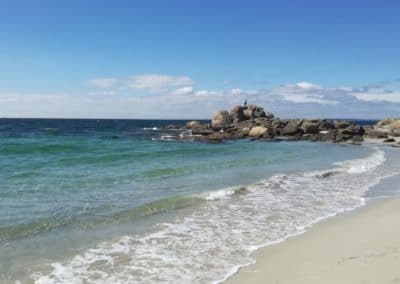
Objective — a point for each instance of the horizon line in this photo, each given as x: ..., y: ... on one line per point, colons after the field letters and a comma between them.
x: 99, y: 118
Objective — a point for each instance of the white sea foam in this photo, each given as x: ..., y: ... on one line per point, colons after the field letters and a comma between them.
x: 222, y: 193
x: 214, y: 241
x: 357, y: 166
x: 151, y: 128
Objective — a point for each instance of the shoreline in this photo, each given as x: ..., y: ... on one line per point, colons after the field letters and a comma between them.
x: 325, y: 176
x: 351, y: 247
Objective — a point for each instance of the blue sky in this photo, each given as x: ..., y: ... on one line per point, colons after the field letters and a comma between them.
x: 186, y: 59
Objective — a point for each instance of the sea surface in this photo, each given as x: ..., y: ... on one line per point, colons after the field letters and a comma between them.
x: 113, y: 201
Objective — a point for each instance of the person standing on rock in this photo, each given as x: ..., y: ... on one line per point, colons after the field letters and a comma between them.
x: 245, y: 102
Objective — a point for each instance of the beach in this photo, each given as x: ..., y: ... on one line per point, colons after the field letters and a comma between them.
x: 362, y: 246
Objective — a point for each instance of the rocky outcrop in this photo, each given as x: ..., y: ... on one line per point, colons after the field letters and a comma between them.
x: 389, y: 126
x: 254, y: 122
x: 242, y: 113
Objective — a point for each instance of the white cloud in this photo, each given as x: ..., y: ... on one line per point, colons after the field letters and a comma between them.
x: 206, y: 93
x: 300, y: 87
x: 377, y: 96
x: 103, y: 82
x: 308, y: 86
x: 305, y: 92
x: 149, y: 82
x: 103, y: 93
x: 183, y: 91
x: 29, y: 97
x: 237, y: 91
x: 301, y: 99
x: 307, y: 98
x: 157, y: 82
x: 346, y: 89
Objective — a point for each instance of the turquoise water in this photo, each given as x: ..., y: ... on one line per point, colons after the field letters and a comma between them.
x: 98, y: 206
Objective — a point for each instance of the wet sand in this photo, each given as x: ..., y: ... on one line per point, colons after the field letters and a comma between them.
x: 362, y: 246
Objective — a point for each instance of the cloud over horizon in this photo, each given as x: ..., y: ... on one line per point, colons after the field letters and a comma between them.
x: 167, y: 96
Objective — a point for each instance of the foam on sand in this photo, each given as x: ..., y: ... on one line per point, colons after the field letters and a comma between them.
x: 361, y: 247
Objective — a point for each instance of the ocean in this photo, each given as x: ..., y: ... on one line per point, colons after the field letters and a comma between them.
x: 113, y: 201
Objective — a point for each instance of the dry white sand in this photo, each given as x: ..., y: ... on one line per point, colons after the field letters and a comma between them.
x: 358, y: 247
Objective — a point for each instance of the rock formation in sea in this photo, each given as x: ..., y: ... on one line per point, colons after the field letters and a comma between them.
x: 254, y: 122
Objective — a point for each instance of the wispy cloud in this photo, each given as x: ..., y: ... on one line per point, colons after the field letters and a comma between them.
x: 385, y: 96
x: 207, y: 93
x: 148, y: 82
x: 157, y: 82
x: 183, y: 91
x: 104, y: 82
x: 103, y: 93
x: 304, y: 92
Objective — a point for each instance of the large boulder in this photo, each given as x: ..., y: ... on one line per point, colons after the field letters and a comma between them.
x: 192, y: 123
x: 293, y: 127
x: 258, y: 131
x: 248, y: 113
x: 221, y: 119
x: 263, y: 121
x: 215, y: 137
x: 349, y: 132
x: 253, y: 111
x: 237, y: 114
x: 278, y: 123
x: 390, y: 126
x: 269, y: 115
x: 309, y: 127
x: 219, y: 136
x: 342, y: 124
x: 373, y: 133
x: 325, y: 125
x: 352, y: 130
x: 201, y: 129
x: 384, y: 122
x: 395, y: 126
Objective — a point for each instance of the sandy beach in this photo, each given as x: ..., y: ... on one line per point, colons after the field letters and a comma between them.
x: 362, y: 246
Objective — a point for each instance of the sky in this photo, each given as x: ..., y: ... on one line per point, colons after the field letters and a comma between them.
x: 186, y: 59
